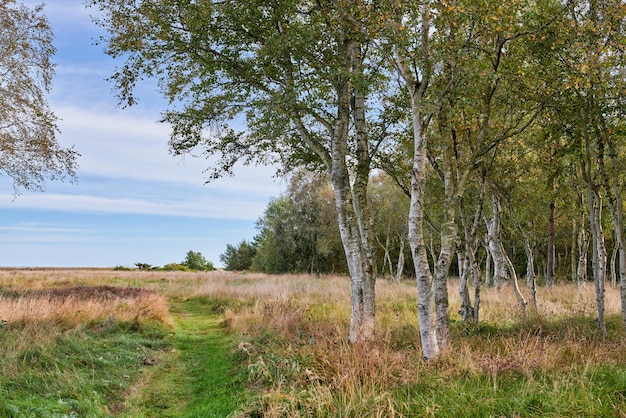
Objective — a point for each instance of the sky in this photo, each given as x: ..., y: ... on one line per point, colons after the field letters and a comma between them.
x: 133, y: 201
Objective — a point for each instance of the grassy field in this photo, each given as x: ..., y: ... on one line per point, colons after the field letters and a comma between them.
x: 104, y: 343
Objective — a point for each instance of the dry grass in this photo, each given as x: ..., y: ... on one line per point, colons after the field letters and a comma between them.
x: 72, y: 306
x: 302, y: 354
x: 294, y: 333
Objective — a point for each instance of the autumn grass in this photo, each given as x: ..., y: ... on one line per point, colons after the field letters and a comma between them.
x: 285, y: 336
x: 548, y: 362
x: 75, y: 351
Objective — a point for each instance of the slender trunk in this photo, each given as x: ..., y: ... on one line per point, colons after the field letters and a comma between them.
x: 448, y: 236
x: 530, y: 262
x: 531, y: 280
x: 460, y: 260
x: 583, y: 251
x: 386, y: 255
x: 551, y: 248
x: 470, y: 265
x: 594, y: 203
x: 488, y: 274
x: 430, y: 345
x: 416, y: 89
x: 495, y: 246
x: 518, y: 293
x: 613, y: 264
x: 361, y: 204
x: 400, y: 267
x: 476, y: 271
x: 613, y: 192
x: 599, y: 254
x: 466, y: 311
x: 573, y: 252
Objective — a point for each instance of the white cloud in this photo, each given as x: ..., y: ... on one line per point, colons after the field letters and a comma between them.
x: 122, y: 145
x: 222, y: 207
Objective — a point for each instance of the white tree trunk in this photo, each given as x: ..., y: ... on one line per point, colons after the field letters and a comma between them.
x: 599, y: 253
x: 492, y: 223
x: 583, y: 251
x: 351, y: 199
x: 400, y: 266
x: 416, y: 89
x: 428, y: 333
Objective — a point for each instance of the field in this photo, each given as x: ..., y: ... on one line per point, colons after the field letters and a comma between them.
x: 104, y: 343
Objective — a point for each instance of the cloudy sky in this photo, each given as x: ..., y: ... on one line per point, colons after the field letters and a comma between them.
x: 133, y: 202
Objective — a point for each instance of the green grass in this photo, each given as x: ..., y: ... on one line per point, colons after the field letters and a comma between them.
x: 199, y: 378
x: 597, y: 392
x: 82, y: 372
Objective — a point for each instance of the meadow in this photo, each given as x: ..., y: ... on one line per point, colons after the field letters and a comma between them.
x: 105, y: 343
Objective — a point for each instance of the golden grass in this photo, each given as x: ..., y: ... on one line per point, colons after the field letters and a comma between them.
x: 72, y: 306
x: 294, y: 331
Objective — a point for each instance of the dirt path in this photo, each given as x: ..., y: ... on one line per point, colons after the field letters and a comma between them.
x: 195, y: 379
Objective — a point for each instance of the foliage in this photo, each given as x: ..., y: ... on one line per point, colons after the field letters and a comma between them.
x: 144, y: 266
x: 298, y: 232
x: 238, y: 258
x: 174, y: 267
x: 121, y: 268
x: 29, y: 151
x: 196, y: 261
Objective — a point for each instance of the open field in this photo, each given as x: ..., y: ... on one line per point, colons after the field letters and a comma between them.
x: 113, y: 343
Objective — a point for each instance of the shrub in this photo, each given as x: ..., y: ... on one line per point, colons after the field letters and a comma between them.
x: 196, y: 261
x: 174, y: 267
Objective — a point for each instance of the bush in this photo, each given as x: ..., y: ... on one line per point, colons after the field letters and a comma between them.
x: 122, y: 268
x: 196, y: 261
x: 174, y: 267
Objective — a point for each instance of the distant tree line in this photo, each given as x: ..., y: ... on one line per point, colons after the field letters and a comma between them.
x: 194, y: 261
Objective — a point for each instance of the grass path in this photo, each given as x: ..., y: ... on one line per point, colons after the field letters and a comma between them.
x: 195, y: 379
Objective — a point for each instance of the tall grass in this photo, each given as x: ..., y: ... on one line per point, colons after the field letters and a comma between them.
x: 548, y: 360
x: 292, y: 333
x: 75, y: 351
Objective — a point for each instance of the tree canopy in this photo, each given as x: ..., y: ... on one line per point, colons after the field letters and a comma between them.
x: 29, y: 151
x: 498, y: 119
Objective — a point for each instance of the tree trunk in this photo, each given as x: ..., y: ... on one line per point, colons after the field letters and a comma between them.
x: 613, y: 263
x: 599, y: 253
x: 386, y: 256
x: 466, y: 311
x: 430, y: 345
x: 518, y: 293
x: 428, y: 333
x: 351, y: 202
x: 583, y: 251
x: 448, y: 237
x: 470, y: 266
x: 531, y: 281
x: 551, y: 248
x: 613, y: 192
x: 573, y: 247
x: 530, y: 262
x: 400, y: 267
x: 495, y: 246
x: 420, y: 119
x: 488, y: 273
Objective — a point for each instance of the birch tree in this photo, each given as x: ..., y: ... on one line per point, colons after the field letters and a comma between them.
x: 29, y: 151
x: 299, y: 72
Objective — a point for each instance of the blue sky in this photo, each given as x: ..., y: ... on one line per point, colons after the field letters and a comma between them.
x: 133, y: 202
